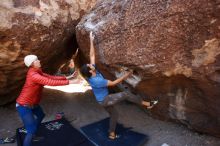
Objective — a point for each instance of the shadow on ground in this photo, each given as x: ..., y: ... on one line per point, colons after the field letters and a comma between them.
x: 82, y: 109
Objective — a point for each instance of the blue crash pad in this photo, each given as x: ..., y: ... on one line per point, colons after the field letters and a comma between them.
x: 98, y: 133
x: 56, y: 133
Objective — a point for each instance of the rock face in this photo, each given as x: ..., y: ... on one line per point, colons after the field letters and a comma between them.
x: 173, y: 47
x: 42, y: 27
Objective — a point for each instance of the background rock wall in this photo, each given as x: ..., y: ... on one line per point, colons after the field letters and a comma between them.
x: 42, y: 27
x: 173, y: 47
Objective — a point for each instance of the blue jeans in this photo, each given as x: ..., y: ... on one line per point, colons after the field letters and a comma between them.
x: 31, y: 118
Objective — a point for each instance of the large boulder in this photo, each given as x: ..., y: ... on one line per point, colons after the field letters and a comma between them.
x: 173, y: 48
x: 42, y: 27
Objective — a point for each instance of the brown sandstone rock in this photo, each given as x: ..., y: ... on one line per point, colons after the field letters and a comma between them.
x: 42, y: 27
x: 174, y: 48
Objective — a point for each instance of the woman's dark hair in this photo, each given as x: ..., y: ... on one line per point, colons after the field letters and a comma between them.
x: 84, y: 70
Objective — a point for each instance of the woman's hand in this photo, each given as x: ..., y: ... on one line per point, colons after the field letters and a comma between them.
x: 91, y: 36
x: 72, y: 75
x: 75, y: 81
x: 128, y: 74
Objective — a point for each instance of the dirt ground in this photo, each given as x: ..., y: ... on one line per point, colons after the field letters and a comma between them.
x: 82, y: 109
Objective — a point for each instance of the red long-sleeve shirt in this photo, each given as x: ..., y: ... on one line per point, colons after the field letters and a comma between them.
x: 35, y: 80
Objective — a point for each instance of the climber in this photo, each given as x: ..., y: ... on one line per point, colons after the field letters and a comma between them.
x: 100, y: 89
x: 70, y: 69
x: 27, y: 103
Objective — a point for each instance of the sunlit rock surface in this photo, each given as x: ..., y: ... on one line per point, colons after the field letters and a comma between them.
x: 173, y: 47
x: 42, y: 27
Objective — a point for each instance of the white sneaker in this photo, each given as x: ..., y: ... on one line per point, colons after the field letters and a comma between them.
x: 154, y: 102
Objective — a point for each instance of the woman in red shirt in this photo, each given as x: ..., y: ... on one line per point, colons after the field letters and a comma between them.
x: 27, y: 103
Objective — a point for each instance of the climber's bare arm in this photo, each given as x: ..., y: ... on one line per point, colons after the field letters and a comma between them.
x: 92, y: 49
x: 119, y: 80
